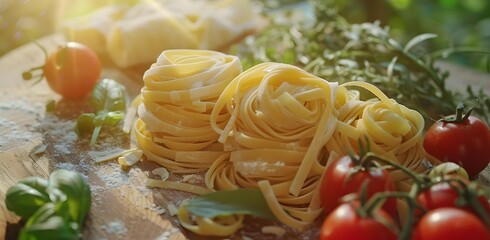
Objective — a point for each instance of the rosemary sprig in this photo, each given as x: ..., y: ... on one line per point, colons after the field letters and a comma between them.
x: 336, y: 50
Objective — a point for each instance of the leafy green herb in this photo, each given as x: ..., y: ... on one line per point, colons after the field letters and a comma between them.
x: 108, y: 100
x: 332, y: 48
x: 77, y: 192
x: 225, y: 203
x: 54, y: 208
x: 26, y: 196
x: 47, y: 223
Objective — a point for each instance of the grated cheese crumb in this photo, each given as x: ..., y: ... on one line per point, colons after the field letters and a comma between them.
x: 130, y: 158
x: 278, y: 231
x: 192, y: 178
x: 162, y: 172
x: 172, y: 209
x: 157, y: 209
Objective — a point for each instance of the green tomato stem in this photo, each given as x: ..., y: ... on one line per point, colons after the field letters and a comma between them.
x: 367, y: 208
x: 378, y: 198
x: 27, y: 75
x: 407, y: 228
x: 472, y: 199
x: 369, y: 157
x: 45, y: 52
x: 460, y: 115
x: 362, y: 211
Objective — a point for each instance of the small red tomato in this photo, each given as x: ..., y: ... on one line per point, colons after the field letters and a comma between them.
x: 444, y: 194
x: 465, y: 142
x: 342, y: 178
x: 72, y: 70
x: 345, y: 223
x: 450, y: 224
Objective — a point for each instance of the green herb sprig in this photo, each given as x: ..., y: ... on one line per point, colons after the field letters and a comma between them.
x: 54, y: 208
x: 332, y: 48
x: 108, y: 99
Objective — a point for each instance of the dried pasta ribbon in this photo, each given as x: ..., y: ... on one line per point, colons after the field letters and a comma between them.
x: 273, y: 127
x: 204, y: 226
x: 179, y: 93
x: 394, y: 131
x: 281, y: 118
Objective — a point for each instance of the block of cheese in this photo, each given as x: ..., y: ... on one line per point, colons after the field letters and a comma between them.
x: 137, y: 34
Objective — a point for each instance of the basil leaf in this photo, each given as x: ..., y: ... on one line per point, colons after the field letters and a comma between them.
x: 27, y: 196
x: 77, y: 192
x: 46, y: 223
x: 108, y: 95
x: 230, y: 202
x: 113, y: 118
x: 85, y: 123
x: 108, y: 99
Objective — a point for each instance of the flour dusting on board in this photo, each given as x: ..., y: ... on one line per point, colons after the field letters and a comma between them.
x: 24, y: 105
x: 12, y: 130
x: 63, y: 149
x: 63, y: 141
x: 112, y: 175
x: 76, y: 154
x: 167, y: 234
x: 116, y: 227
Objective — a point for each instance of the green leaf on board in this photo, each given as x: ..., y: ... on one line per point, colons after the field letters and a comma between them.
x: 27, y: 196
x: 108, y: 99
x: 230, y: 202
x: 77, y: 192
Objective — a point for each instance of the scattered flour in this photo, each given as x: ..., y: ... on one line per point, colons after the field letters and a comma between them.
x: 144, y: 190
x: 24, y: 105
x: 12, y: 132
x: 115, y: 227
x: 156, y: 208
x: 167, y: 234
x: 72, y: 167
x: 56, y: 127
x: 62, y: 148
x: 112, y: 175
x: 62, y: 139
x: 96, y: 190
x: 60, y: 132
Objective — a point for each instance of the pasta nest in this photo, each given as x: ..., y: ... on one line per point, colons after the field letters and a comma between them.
x: 394, y: 132
x: 179, y: 93
x: 281, y: 119
x: 274, y: 127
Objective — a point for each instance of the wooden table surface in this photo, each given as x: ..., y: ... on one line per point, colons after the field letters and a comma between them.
x: 122, y: 207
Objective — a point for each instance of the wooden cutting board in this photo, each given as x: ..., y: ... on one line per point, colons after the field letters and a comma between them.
x: 34, y: 142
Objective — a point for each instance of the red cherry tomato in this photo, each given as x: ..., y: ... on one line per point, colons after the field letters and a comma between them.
x: 72, y: 70
x: 450, y: 224
x: 345, y: 223
x: 337, y: 183
x: 443, y: 194
x: 465, y: 143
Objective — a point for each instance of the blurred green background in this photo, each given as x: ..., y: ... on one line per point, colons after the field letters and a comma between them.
x: 456, y: 22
